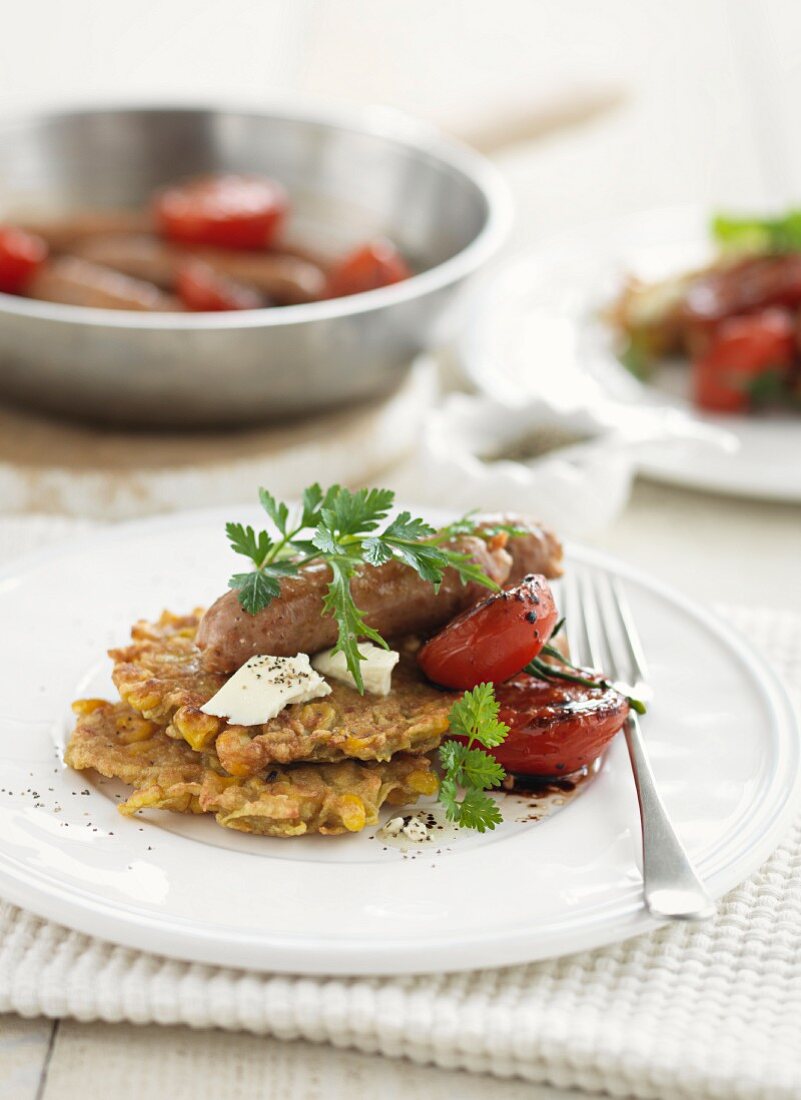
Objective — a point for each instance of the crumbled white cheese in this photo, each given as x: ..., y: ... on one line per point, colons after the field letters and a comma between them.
x: 394, y: 827
x: 416, y: 831
x: 263, y: 686
x: 411, y: 827
x: 376, y: 667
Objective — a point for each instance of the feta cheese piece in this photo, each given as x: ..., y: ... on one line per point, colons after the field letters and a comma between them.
x: 393, y: 828
x: 376, y: 667
x: 263, y: 686
x: 411, y: 827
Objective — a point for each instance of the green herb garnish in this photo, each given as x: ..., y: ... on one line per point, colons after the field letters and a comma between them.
x: 468, y: 770
x: 347, y: 531
x: 781, y: 234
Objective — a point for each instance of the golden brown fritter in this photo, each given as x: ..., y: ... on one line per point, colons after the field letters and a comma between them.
x: 121, y: 744
x: 161, y: 671
x: 412, y: 718
x: 167, y: 774
x: 160, y: 676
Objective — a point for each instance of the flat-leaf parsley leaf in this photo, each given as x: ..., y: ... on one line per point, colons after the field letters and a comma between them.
x: 470, y: 770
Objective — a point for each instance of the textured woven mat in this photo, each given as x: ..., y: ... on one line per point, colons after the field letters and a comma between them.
x: 706, y: 1012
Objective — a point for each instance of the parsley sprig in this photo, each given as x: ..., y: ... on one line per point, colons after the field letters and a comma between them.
x: 347, y: 531
x: 468, y: 770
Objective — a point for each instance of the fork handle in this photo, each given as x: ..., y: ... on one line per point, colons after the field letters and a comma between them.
x: 671, y: 888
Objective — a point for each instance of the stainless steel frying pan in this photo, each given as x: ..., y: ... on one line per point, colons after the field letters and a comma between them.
x: 349, y: 178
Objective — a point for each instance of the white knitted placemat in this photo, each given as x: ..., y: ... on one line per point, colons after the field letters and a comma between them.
x: 686, y: 1012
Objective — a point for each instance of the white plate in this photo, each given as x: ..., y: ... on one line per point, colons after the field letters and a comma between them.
x: 722, y: 735
x: 535, y: 331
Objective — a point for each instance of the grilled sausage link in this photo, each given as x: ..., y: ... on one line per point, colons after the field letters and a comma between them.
x: 538, y: 550
x: 392, y: 597
x: 140, y: 256
x: 77, y: 282
x: 64, y: 233
x: 284, y: 278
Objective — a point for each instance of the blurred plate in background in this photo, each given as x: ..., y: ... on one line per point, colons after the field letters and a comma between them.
x: 535, y: 331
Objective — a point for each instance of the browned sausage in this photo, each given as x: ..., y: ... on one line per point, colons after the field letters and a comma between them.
x: 537, y: 551
x: 393, y: 598
x: 64, y: 232
x: 742, y: 287
x: 76, y: 282
x: 283, y: 278
x: 141, y: 257
x: 286, y: 279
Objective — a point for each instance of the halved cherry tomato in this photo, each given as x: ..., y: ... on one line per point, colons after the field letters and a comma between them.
x: 228, y: 211
x: 493, y: 640
x: 740, y: 350
x: 203, y: 290
x: 21, y: 256
x: 555, y: 728
x: 375, y: 264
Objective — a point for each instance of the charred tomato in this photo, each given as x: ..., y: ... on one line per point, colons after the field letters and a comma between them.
x: 555, y: 728
x: 493, y: 640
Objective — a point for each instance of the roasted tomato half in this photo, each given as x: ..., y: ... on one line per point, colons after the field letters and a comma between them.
x: 493, y: 640
x: 741, y: 351
x: 21, y: 256
x: 555, y: 728
x: 226, y: 211
x: 377, y: 263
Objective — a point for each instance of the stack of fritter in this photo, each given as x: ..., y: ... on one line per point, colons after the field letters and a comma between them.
x: 326, y: 766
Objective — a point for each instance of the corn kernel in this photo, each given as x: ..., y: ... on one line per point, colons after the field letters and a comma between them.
x: 196, y: 728
x: 352, y: 812
x: 142, y: 700
x: 422, y: 782
x: 354, y: 745
x: 316, y: 716
x: 232, y: 748
x: 82, y: 707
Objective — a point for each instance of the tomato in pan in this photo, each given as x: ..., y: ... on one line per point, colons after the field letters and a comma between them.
x: 374, y: 265
x: 21, y: 256
x: 227, y: 211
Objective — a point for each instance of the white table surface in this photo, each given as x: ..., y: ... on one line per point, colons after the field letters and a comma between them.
x: 710, y: 117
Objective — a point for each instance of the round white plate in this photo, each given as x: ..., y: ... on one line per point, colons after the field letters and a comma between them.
x: 535, y: 330
x: 721, y: 732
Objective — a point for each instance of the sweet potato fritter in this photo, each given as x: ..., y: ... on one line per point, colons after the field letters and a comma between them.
x: 167, y: 774
x: 160, y: 676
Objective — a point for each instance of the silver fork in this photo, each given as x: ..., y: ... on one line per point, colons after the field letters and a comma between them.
x: 602, y: 635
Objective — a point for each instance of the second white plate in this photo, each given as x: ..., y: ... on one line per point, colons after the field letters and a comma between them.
x: 534, y: 330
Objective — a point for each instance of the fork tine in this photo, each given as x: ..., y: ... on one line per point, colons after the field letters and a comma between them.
x: 631, y: 637
x: 600, y: 657
x: 574, y: 619
x: 620, y: 666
